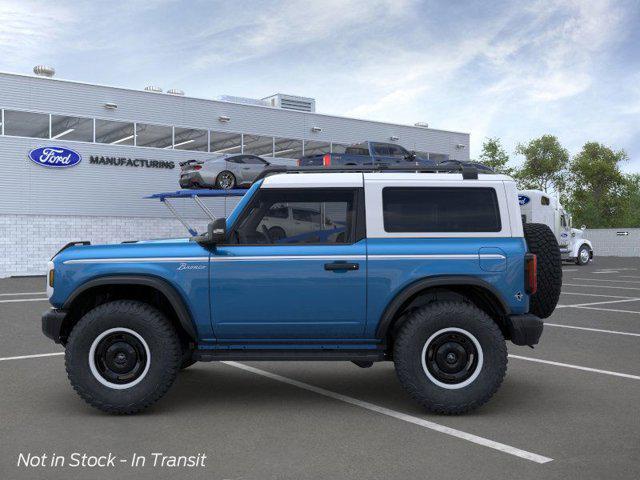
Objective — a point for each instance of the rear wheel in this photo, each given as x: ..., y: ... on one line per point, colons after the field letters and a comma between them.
x: 451, y: 357
x: 122, y: 356
x: 542, y: 242
x: 225, y: 180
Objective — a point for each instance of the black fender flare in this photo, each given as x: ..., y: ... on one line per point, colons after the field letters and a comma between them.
x: 164, y: 287
x: 439, y: 281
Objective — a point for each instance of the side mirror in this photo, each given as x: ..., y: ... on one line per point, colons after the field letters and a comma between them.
x: 583, y: 227
x: 216, y: 233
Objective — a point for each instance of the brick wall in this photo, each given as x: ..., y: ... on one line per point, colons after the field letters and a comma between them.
x: 27, y: 242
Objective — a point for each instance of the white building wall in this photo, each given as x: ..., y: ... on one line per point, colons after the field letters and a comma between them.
x: 612, y: 242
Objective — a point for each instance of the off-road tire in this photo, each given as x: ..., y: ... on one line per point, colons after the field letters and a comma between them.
x: 579, y: 257
x: 164, y: 359
x: 410, y: 342
x: 187, y: 358
x: 542, y: 242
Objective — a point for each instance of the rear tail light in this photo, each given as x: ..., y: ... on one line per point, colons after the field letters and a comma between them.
x: 326, y: 160
x: 197, y: 167
x: 531, y: 273
x: 298, y: 162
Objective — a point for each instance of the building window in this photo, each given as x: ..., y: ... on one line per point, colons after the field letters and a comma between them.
x: 71, y: 128
x: 114, y: 133
x: 287, y: 148
x: 440, y: 209
x: 26, y: 124
x: 157, y: 136
x: 313, y: 147
x: 224, y: 142
x: 190, y: 139
x: 258, y: 145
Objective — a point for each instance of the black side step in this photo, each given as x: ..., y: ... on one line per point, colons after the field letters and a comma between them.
x: 276, y: 355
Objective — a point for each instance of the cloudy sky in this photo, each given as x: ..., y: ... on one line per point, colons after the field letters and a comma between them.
x: 514, y: 70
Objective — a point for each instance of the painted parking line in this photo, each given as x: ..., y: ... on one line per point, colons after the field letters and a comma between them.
x: 37, y: 355
x: 593, y: 295
x: 607, y: 280
x: 570, y: 269
x: 599, y: 330
x: 485, y: 442
x: 610, y: 310
x: 21, y: 293
x: 576, y: 367
x: 599, y: 286
x: 598, y: 303
x: 17, y: 300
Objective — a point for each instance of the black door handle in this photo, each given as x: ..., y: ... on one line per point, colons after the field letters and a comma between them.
x: 341, y: 266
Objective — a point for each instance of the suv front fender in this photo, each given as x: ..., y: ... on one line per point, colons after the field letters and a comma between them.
x: 174, y: 298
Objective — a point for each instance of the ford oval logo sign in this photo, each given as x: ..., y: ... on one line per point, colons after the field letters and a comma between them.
x: 56, y: 157
x: 523, y: 199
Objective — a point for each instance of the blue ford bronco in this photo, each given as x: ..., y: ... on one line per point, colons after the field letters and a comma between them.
x: 431, y: 268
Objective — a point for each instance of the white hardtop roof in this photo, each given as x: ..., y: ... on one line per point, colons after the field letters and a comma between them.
x: 356, y: 179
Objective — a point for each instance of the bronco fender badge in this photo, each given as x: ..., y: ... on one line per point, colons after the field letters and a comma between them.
x: 186, y: 266
x: 518, y: 296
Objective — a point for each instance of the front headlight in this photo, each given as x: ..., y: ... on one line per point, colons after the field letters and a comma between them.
x: 50, y: 278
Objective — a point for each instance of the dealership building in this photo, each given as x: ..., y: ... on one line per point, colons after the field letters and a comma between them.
x: 129, y: 144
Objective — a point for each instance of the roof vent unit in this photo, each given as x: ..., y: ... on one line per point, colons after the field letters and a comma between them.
x: 44, y: 71
x: 422, y: 124
x: 292, y: 102
x: 244, y: 100
x: 152, y: 88
x: 176, y: 91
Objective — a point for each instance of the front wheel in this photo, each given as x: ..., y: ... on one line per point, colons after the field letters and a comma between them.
x: 584, y: 255
x: 451, y: 357
x: 122, y: 356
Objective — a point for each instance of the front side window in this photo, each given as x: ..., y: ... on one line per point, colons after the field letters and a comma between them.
x: 381, y: 150
x: 251, y: 160
x: 397, y: 151
x: 317, y: 217
x: 440, y: 209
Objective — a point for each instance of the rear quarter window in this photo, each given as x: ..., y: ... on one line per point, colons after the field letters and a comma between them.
x: 440, y: 209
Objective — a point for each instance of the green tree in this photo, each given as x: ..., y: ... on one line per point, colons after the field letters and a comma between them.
x: 494, y: 155
x: 545, y: 164
x: 599, y: 190
x: 631, y: 216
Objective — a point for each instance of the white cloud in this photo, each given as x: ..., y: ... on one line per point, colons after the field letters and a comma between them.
x: 31, y: 28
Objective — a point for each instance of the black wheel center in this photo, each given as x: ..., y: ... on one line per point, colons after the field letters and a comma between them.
x: 451, y: 357
x: 120, y: 357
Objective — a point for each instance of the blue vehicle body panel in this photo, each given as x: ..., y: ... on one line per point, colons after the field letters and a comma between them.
x: 278, y: 291
x: 191, y: 283
x: 388, y: 277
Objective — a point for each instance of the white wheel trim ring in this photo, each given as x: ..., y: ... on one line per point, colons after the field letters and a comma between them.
x: 469, y: 380
x: 584, y: 255
x: 92, y: 362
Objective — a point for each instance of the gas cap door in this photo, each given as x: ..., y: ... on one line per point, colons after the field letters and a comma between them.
x: 492, y: 259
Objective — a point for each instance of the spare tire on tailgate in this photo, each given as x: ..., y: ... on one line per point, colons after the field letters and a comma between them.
x: 542, y: 242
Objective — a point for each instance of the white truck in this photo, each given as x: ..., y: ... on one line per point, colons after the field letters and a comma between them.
x: 537, y: 206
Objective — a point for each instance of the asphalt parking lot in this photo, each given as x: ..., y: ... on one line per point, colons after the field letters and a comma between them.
x: 568, y: 409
